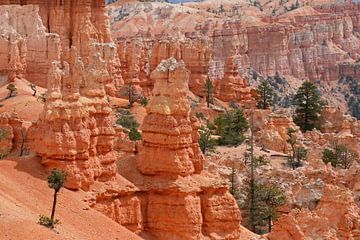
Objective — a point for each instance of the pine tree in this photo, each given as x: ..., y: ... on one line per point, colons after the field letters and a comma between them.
x: 265, y: 201
x: 209, y: 92
x: 231, y: 127
x: 340, y: 155
x: 298, y: 153
x: 308, y: 106
x: 56, y: 180
x: 266, y: 95
x: 12, y: 90
x: 205, y: 141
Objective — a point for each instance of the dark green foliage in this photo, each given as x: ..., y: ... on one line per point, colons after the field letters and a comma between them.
x: 209, y: 92
x: 231, y: 127
x: 12, y: 90
x: 134, y: 134
x: 308, y: 106
x: 266, y: 95
x: 127, y: 121
x: 56, y: 180
x: 298, y: 153
x: 144, y: 101
x: 205, y: 141
x: 296, y: 160
x: 260, y: 161
x: 339, y: 156
x: 266, y: 200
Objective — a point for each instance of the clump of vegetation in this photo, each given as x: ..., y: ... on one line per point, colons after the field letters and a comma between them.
x: 308, y: 106
x: 339, y: 155
x: 266, y: 198
x: 266, y: 95
x: 205, y: 141
x: 134, y: 134
x: 12, y: 90
x: 128, y: 122
x: 144, y: 101
x: 56, y: 180
x: 231, y: 127
x: 298, y: 153
x: 351, y: 94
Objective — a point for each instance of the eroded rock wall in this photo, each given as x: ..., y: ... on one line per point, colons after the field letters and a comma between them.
x: 183, y: 200
x: 76, y: 23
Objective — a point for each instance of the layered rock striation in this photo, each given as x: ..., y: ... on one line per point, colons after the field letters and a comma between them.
x: 180, y: 200
x: 34, y: 46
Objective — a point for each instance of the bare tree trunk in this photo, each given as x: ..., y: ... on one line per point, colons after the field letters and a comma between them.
x: 53, y: 209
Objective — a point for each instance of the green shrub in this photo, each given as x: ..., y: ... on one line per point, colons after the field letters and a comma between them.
x: 134, y: 134
x: 205, y: 141
x: 339, y: 155
x: 144, y: 101
x: 231, y: 127
x: 127, y: 121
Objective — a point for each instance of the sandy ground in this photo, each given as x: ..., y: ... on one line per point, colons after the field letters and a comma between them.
x: 24, y: 195
x: 25, y: 105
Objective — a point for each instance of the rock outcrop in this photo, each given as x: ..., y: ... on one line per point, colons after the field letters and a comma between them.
x: 319, y: 43
x: 6, y: 136
x: 34, y: 45
x: 180, y: 200
x: 342, y: 222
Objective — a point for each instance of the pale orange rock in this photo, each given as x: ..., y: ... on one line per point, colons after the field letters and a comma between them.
x: 335, y: 217
x: 182, y: 200
x: 6, y: 135
x: 40, y: 27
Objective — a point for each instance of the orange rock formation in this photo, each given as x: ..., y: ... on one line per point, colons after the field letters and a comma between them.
x: 180, y: 200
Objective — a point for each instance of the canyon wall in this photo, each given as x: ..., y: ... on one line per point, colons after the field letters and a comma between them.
x: 76, y: 22
x: 303, y: 44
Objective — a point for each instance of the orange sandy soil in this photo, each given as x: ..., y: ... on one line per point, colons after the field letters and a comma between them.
x: 23, y: 104
x: 24, y: 195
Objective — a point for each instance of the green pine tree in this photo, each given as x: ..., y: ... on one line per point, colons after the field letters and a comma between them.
x: 266, y: 95
x: 56, y: 180
x: 308, y: 106
x: 231, y: 127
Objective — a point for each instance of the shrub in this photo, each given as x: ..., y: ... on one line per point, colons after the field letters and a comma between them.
x: 134, y: 134
x: 47, y: 222
x: 144, y: 101
x: 127, y: 121
x: 205, y: 141
x: 231, y: 127
x: 339, y: 155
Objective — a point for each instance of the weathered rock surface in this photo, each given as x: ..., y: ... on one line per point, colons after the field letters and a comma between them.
x: 31, y: 41
x: 179, y: 199
x: 336, y: 217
